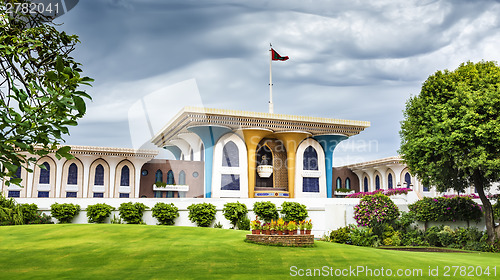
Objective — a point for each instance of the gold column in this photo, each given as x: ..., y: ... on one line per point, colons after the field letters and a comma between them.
x: 252, y: 138
x: 291, y: 140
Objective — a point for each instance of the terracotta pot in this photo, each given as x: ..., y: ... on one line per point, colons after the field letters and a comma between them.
x: 285, y: 231
x: 254, y: 231
x: 290, y: 232
x: 273, y: 232
x: 308, y: 231
x: 280, y: 232
x: 257, y: 231
x: 268, y: 232
x: 295, y: 232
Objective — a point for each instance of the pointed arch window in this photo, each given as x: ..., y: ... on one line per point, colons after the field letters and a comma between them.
x: 348, y: 183
x: 182, y: 178
x: 365, y: 184
x: 389, y: 181
x: 230, y: 155
x: 408, y: 179
x: 377, y: 182
x: 170, y: 178
x: 18, y: 173
x: 158, y: 176
x: 73, y: 174
x: 125, y: 176
x: 99, y: 175
x: 310, y: 159
x: 45, y: 174
x: 339, y: 183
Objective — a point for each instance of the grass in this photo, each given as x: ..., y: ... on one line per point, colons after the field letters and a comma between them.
x: 162, y: 252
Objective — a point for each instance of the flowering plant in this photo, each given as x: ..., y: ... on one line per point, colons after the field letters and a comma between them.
x: 292, y: 225
x: 308, y: 224
x: 266, y: 226
x: 302, y: 225
x: 273, y: 225
x: 280, y: 224
x: 375, y: 209
x: 388, y: 192
x: 255, y: 224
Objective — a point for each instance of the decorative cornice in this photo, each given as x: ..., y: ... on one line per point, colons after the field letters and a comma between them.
x: 375, y: 163
x: 237, y: 120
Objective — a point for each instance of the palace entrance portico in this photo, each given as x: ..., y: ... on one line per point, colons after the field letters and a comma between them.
x: 250, y: 154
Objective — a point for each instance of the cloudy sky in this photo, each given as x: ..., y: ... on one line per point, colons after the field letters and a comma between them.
x: 357, y: 60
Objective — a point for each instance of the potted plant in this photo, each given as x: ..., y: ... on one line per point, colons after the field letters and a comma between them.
x: 292, y: 227
x: 267, y: 229
x: 285, y: 229
x: 302, y: 227
x: 273, y: 226
x: 280, y: 225
x: 256, y: 227
x: 309, y: 226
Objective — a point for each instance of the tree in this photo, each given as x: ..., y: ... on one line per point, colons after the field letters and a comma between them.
x: 450, y: 135
x: 39, y: 88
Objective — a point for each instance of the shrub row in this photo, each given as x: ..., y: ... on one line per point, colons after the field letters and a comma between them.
x: 13, y: 213
x: 457, y: 208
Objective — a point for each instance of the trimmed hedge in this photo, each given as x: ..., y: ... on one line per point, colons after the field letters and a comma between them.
x: 446, y: 209
x: 293, y: 211
x: 165, y: 213
x: 203, y: 214
x: 132, y: 212
x: 235, y: 212
x: 97, y: 213
x: 266, y: 210
x: 64, y: 212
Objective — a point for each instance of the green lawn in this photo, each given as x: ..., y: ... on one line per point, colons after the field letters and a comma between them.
x: 159, y: 252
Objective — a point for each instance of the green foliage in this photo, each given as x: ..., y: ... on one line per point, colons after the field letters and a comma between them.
x: 218, y: 225
x: 244, y: 223
x: 30, y: 212
x: 116, y: 220
x: 446, y: 209
x: 343, y: 190
x: 165, y: 213
x: 41, y: 219
x: 64, y: 212
x: 266, y: 210
x: 10, y: 212
x: 340, y: 235
x: 97, y: 213
x: 375, y: 209
x: 235, y: 212
x: 496, y: 210
x: 132, y: 212
x: 364, y: 236
x: 203, y: 214
x: 446, y: 236
x: 450, y: 136
x: 413, y: 237
x: 293, y: 211
x: 405, y: 221
x: 40, y: 96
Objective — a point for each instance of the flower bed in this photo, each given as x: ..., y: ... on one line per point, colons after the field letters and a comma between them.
x: 282, y: 240
x: 388, y: 192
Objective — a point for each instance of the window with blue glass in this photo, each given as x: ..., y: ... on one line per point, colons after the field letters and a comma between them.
x: 18, y: 173
x: 365, y: 184
x: 310, y: 184
x: 182, y: 178
x: 98, y: 195
x: 125, y: 177
x: 339, y: 183
x: 158, y: 176
x: 310, y: 161
x: 157, y: 194
x: 230, y: 155
x: 407, y: 179
x: 73, y: 174
x: 99, y: 176
x: 426, y: 188
x: 348, y: 183
x: 377, y: 182
x: 230, y: 182
x: 170, y: 178
x: 169, y: 194
x: 45, y: 174
x: 43, y: 194
x: 14, y: 194
x: 124, y: 195
x: 389, y: 181
x: 70, y: 194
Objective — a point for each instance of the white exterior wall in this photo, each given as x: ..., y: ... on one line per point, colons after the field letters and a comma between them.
x: 300, y: 173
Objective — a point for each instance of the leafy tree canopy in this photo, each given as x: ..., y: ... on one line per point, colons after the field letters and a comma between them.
x: 40, y: 94
x: 450, y: 135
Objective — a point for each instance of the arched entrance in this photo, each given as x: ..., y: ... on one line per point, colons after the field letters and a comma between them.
x: 271, y: 152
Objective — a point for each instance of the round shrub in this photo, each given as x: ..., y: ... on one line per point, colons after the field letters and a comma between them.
x: 165, y: 213
x: 375, y: 209
x: 341, y: 235
x: 266, y: 210
x: 202, y: 214
x: 30, y: 212
x: 235, y: 212
x: 97, y: 213
x: 293, y: 211
x: 132, y: 212
x: 64, y: 212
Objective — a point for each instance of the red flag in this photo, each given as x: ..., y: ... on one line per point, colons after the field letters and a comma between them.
x: 276, y: 56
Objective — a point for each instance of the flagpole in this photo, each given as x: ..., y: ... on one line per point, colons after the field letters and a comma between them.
x: 271, y: 107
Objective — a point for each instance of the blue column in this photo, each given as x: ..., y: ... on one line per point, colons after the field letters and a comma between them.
x: 174, y: 150
x: 328, y: 143
x: 209, y: 135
